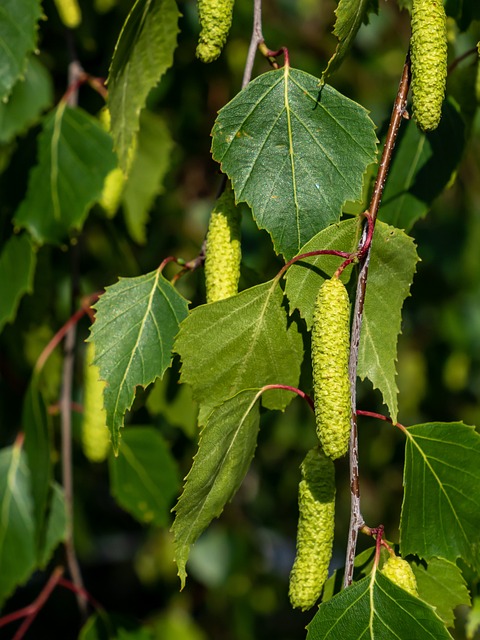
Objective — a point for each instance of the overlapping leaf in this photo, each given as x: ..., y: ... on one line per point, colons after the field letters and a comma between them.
x: 226, y: 448
x: 442, y: 585
x: 136, y: 323
x: 30, y: 96
x: 350, y: 15
x: 17, y: 526
x: 376, y: 609
x: 149, y: 166
x: 295, y: 152
x: 441, y: 504
x: 17, y: 268
x: 422, y: 167
x: 56, y: 530
x: 74, y: 157
x: 144, y: 477
x: 143, y: 53
x: 241, y: 342
x: 18, y: 37
x: 392, y: 267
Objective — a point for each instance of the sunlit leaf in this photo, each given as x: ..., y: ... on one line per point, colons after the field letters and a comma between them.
x: 295, y: 152
x: 135, y: 325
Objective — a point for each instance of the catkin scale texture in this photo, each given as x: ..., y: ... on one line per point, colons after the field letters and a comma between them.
x: 330, y: 354
x: 223, y: 250
x: 95, y: 434
x: 215, y: 20
x: 428, y: 50
x: 400, y: 573
x: 316, y: 503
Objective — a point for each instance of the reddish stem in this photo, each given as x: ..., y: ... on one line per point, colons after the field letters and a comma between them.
x: 63, y: 582
x: 287, y: 387
x: 379, y: 416
x: 309, y: 254
x: 30, y: 612
x: 62, y: 332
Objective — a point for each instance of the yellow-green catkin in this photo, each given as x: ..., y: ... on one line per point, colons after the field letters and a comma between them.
x: 69, y: 12
x: 223, y: 250
x: 400, y: 573
x: 95, y: 434
x: 477, y: 77
x: 330, y: 355
x: 215, y: 21
x: 428, y: 50
x: 316, y: 503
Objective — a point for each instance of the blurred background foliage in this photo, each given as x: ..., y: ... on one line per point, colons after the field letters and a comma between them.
x: 238, y: 573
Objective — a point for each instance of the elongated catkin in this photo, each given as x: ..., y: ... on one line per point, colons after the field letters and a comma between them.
x: 95, y: 434
x: 69, y: 12
x: 215, y: 20
x: 330, y: 354
x: 316, y: 502
x: 428, y: 47
x: 223, y: 251
x: 400, y: 573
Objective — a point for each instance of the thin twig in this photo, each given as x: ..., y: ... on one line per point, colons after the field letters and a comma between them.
x: 356, y: 519
x: 256, y: 40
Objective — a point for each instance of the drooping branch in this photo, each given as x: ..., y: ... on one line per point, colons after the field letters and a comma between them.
x: 398, y: 114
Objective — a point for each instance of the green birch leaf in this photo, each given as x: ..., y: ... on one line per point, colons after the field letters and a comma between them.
x: 350, y: 16
x: 144, y: 51
x: 149, y: 166
x: 392, y: 267
x: 376, y: 609
x: 225, y: 450
x: 295, y: 152
x: 442, y: 585
x: 17, y: 268
x: 422, y: 166
x: 74, y: 157
x: 56, y: 525
x: 17, y: 526
x: 18, y: 37
x: 441, y: 503
x: 144, y: 477
x: 136, y: 322
x: 305, y: 277
x: 38, y: 449
x: 30, y: 96
x: 241, y: 342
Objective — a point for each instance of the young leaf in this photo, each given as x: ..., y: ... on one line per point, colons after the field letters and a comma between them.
x: 392, y: 266
x: 350, y: 15
x: 149, y: 166
x: 144, y: 477
x: 376, y: 609
x: 136, y: 322
x: 422, y: 166
x: 441, y: 502
x: 18, y: 34
x: 295, y: 152
x: 30, y: 96
x: 240, y: 342
x: 38, y: 449
x: 442, y: 585
x: 17, y: 526
x: 74, y: 157
x: 225, y: 450
x: 17, y: 268
x: 144, y: 51
x: 56, y: 525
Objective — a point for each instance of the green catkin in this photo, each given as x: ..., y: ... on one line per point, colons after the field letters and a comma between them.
x: 223, y: 251
x: 330, y: 354
x: 69, y: 12
x: 400, y: 573
x: 428, y: 50
x: 215, y: 21
x: 316, y: 502
x: 477, y: 77
x: 95, y: 435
